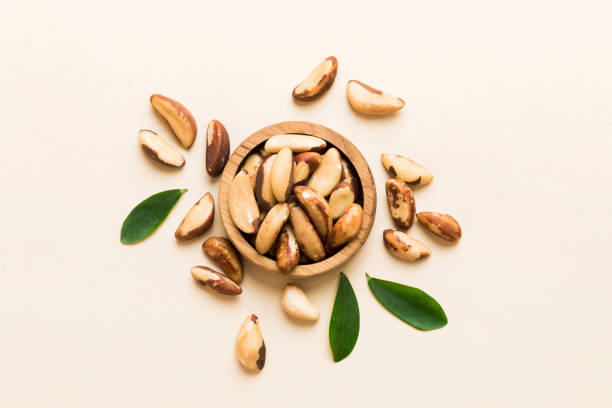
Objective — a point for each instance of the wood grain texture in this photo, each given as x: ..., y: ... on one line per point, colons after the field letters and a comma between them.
x: 332, y: 137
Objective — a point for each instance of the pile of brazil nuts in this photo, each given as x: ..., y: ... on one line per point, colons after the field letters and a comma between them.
x: 400, y: 198
x: 295, y: 200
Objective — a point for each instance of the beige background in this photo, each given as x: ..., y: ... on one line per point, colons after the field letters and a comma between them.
x: 508, y: 102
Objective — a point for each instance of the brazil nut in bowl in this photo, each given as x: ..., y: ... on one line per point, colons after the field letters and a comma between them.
x: 297, y: 198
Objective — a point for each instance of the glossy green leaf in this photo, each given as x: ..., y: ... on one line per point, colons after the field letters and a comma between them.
x: 144, y: 219
x: 411, y: 305
x: 344, y: 323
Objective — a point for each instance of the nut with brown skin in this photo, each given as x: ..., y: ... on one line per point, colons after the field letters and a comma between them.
x: 401, y: 202
x: 406, y: 170
x: 281, y: 178
x: 271, y: 226
x: 294, y: 141
x: 404, y: 246
x: 251, y: 164
x: 346, y: 227
x: 365, y: 99
x: 180, y: 120
x: 215, y: 280
x: 317, y: 209
x: 306, y: 236
x: 339, y: 200
x: 222, y: 252
x: 217, y: 148
x: 349, y: 175
x: 305, y: 163
x: 250, y: 346
x: 328, y: 173
x: 242, y: 205
x: 198, y: 219
x: 318, y: 81
x: 159, y: 149
x: 443, y: 225
x: 297, y: 305
x: 263, y: 184
x: 287, y: 250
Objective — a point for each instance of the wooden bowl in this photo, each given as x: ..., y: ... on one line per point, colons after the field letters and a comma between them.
x: 350, y: 152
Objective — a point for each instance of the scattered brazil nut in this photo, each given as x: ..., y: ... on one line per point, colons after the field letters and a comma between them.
x: 263, y: 184
x: 318, y: 81
x: 328, y: 173
x: 365, y: 99
x: 306, y: 235
x: 287, y: 250
x: 346, y: 227
x: 404, y: 246
x: 242, y: 205
x: 294, y: 141
x: 341, y: 197
x: 180, y: 120
x: 401, y: 202
x: 271, y: 226
x: 406, y: 170
x: 281, y: 178
x: 316, y: 207
x: 297, y: 305
x: 304, y: 164
x: 251, y: 164
x: 221, y: 251
x: 215, y: 280
x: 159, y: 149
x: 198, y: 219
x: 250, y: 346
x: 443, y: 225
x: 217, y: 148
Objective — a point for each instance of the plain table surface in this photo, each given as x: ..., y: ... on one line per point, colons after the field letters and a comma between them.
x: 508, y: 102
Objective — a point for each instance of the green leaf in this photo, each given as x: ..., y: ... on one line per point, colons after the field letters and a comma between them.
x: 144, y: 219
x: 411, y: 305
x: 344, y: 323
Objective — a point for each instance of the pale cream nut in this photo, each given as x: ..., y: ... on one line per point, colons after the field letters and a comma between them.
x: 198, y: 219
x: 215, y: 281
x: 281, y: 178
x: 365, y: 99
x: 250, y: 346
x: 404, y: 246
x: 242, y: 205
x: 327, y: 175
x: 159, y: 149
x: 271, y: 226
x: 180, y: 120
x: 406, y: 170
x: 297, y: 305
x: 318, y: 81
x: 294, y: 141
x: 346, y: 227
x: 341, y: 197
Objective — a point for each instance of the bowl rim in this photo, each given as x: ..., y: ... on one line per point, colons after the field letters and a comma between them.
x: 348, y: 149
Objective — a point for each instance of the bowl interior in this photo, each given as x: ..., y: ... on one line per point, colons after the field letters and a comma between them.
x: 367, y: 199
